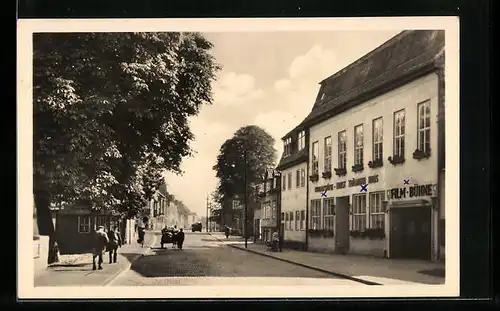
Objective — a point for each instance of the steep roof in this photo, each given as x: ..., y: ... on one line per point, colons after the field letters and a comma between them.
x: 409, y: 53
x: 293, y: 159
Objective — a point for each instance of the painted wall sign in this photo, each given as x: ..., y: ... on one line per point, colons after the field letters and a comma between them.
x: 362, y: 181
x: 411, y: 191
x: 323, y: 188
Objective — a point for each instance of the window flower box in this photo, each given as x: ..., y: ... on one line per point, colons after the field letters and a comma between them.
x: 419, y: 154
x: 376, y: 233
x: 375, y: 163
x: 396, y: 159
x: 357, y: 234
x: 314, y: 177
x: 327, y: 175
x: 340, y: 171
x: 357, y: 168
x: 316, y: 233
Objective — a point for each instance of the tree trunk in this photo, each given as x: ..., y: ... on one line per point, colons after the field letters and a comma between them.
x: 45, y: 224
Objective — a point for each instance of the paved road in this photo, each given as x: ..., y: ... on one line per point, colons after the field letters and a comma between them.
x: 207, y: 261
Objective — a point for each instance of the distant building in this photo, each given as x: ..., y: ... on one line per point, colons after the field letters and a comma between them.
x: 266, y: 214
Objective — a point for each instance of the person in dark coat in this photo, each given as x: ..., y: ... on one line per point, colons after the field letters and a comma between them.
x: 180, y: 238
x: 100, y: 242
x: 115, y: 241
x: 174, y: 235
x: 226, y: 231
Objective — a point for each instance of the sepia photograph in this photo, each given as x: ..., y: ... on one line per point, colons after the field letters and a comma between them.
x: 238, y: 158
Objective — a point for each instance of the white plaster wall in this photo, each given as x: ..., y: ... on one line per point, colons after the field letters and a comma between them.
x: 294, y: 199
x: 418, y: 172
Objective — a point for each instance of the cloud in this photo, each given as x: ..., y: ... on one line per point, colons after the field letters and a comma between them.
x: 234, y: 89
x: 317, y: 64
x: 282, y: 85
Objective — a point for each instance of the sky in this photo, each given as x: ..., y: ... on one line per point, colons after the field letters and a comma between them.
x: 267, y: 79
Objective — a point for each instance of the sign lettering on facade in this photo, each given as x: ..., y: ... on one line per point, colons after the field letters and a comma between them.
x: 340, y: 184
x: 411, y: 192
x: 323, y: 188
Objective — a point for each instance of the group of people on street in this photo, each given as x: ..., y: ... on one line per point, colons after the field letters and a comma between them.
x: 172, y: 235
x: 108, y: 241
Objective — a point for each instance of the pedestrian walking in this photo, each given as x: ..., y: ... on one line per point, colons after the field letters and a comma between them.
x: 174, y: 236
x: 275, y: 241
x: 141, y: 233
x: 115, y: 241
x: 180, y: 238
x: 226, y: 230
x: 100, y: 242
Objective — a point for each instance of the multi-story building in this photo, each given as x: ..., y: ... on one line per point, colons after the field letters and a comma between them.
x: 376, y: 153
x: 294, y: 171
x: 156, y: 209
x: 267, y: 212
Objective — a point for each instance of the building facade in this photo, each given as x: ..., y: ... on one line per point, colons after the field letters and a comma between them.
x: 293, y: 168
x: 376, y: 153
x: 267, y: 214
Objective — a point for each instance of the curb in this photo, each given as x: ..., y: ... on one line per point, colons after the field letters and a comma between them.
x: 344, y: 276
x: 114, y: 277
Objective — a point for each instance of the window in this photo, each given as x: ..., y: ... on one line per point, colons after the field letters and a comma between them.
x: 328, y: 210
x: 100, y: 221
x: 302, y: 140
x: 342, y: 150
x: 424, y: 126
x: 377, y: 139
x: 297, y: 220
x: 399, y: 133
x: 291, y: 221
x: 287, y: 218
x: 297, y: 178
x: 316, y: 214
x: 282, y: 217
x: 284, y: 182
x: 328, y: 154
x: 358, y: 145
x: 302, y: 219
x: 290, y: 180
x: 377, y: 215
x: 315, y: 158
x: 288, y: 146
x: 273, y: 210
x: 359, y: 212
x: 83, y: 224
x: 302, y: 177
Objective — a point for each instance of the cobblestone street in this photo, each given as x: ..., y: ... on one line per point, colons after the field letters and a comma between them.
x: 207, y: 261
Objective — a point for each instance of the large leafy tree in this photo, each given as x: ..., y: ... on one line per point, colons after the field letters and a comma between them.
x: 244, y: 157
x: 110, y: 114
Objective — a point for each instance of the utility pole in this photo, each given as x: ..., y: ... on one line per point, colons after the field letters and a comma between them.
x: 246, y: 201
x: 207, y: 216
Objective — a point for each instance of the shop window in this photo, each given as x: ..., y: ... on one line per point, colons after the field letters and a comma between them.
x: 315, y: 214
x: 83, y: 224
x: 358, y: 212
x: 328, y: 211
x: 377, y: 215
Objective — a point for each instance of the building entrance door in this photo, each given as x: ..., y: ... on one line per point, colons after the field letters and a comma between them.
x: 342, y: 225
x: 410, y: 235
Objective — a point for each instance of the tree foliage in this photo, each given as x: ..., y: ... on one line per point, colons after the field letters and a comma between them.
x: 110, y: 114
x: 247, y: 154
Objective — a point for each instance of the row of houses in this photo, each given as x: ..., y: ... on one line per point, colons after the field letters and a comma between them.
x: 75, y: 224
x: 363, y: 173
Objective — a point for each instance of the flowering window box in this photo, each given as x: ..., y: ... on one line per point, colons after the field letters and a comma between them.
x: 327, y: 175
x: 375, y: 163
x: 314, y: 177
x: 419, y: 154
x: 357, y: 168
x: 396, y: 159
x: 340, y: 171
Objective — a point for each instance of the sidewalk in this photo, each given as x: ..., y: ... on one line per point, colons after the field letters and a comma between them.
x: 76, y: 270
x: 365, y: 269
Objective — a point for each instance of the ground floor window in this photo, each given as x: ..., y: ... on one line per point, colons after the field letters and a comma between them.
x: 302, y: 219
x: 377, y: 215
x: 316, y: 214
x: 358, y: 212
x: 83, y: 224
x: 328, y: 210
